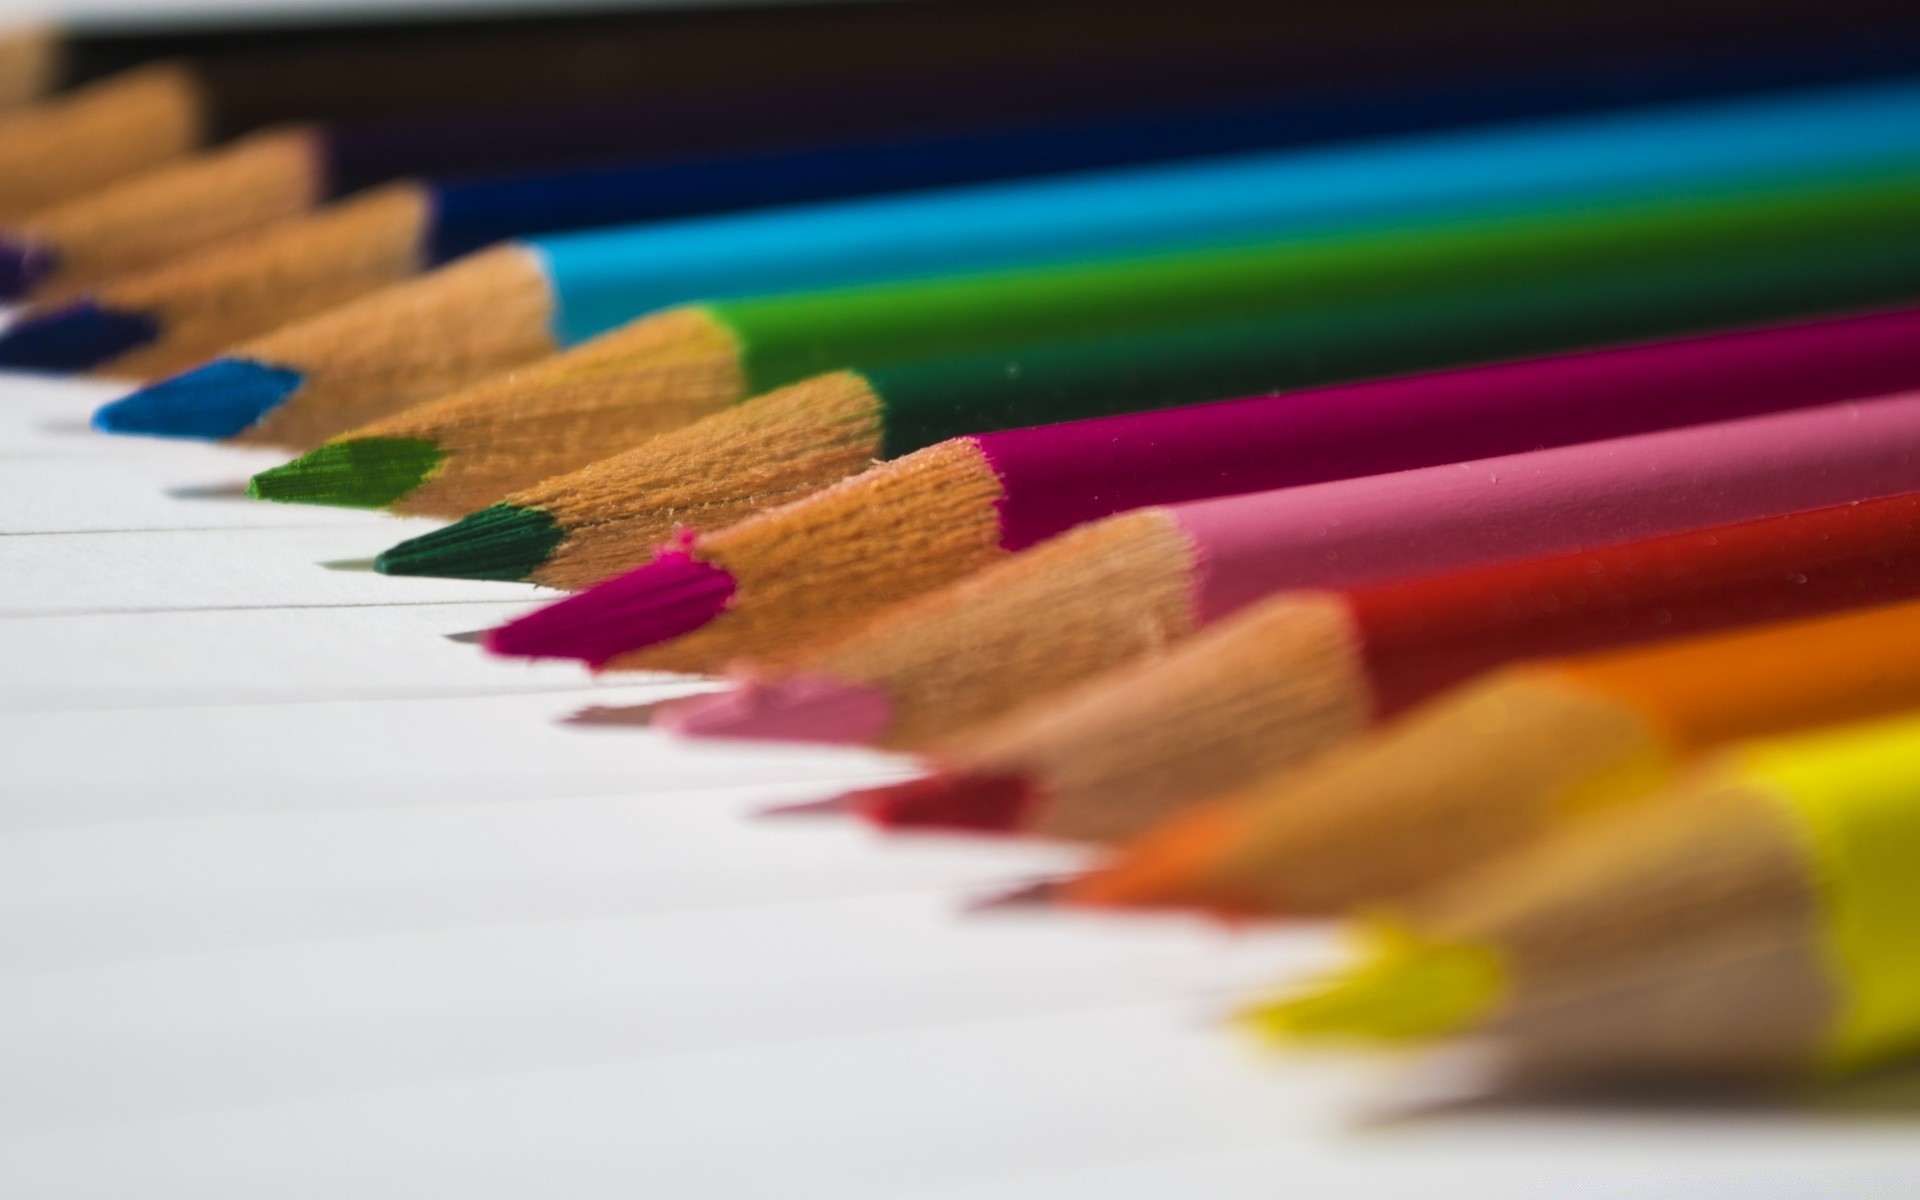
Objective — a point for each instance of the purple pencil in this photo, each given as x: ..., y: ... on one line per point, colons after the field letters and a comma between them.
x: 769, y: 586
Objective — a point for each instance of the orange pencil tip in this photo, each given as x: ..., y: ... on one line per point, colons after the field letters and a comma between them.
x: 1168, y: 867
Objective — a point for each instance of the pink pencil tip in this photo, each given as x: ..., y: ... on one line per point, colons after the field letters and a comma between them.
x: 628, y: 715
x: 673, y: 595
x: 959, y: 802
x: 801, y: 708
x: 832, y: 806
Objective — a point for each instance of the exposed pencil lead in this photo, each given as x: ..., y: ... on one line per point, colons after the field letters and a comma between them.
x: 220, y: 400
x: 1043, y: 894
x: 1406, y: 988
x: 628, y: 716
x: 468, y: 637
x: 361, y: 473
x: 501, y: 541
x: 24, y: 262
x: 349, y: 564
x: 966, y: 803
x: 670, y: 596
x: 74, y: 337
x: 804, y: 708
x: 832, y: 806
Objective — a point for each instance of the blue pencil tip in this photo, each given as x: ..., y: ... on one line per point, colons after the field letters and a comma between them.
x: 23, y: 263
x: 219, y: 400
x: 75, y: 337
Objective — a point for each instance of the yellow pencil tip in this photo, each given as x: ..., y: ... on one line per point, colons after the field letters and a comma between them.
x: 1406, y: 988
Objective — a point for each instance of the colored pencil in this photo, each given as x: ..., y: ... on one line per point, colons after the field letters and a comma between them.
x: 583, y: 284
x: 680, y: 168
x: 1485, y: 769
x: 1133, y: 584
x: 640, y: 163
x: 577, y: 529
x: 1298, y: 674
x: 203, y: 199
x: 1754, y: 920
x: 1539, y: 282
x: 769, y: 59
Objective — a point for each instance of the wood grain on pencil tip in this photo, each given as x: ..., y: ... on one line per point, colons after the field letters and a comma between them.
x: 1131, y: 585
x: 196, y: 306
x: 1487, y: 769
x: 576, y: 529
x: 73, y: 143
x: 164, y: 213
x: 1754, y: 920
x: 1030, y: 484
x: 1298, y: 675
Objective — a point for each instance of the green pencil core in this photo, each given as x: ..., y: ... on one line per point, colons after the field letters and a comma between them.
x: 360, y: 473
x: 502, y: 541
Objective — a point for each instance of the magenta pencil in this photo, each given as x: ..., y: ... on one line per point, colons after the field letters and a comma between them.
x: 1127, y: 585
x: 934, y: 516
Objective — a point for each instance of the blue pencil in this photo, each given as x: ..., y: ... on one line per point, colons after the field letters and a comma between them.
x: 582, y: 284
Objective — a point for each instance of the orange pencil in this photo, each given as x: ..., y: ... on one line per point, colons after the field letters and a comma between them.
x: 1497, y: 764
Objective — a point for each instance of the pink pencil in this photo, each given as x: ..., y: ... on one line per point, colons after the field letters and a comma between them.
x: 1121, y: 587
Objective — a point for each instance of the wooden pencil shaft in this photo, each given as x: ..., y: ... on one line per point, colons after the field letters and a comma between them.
x: 714, y: 473
x: 407, y: 344
x: 176, y: 209
x: 94, y: 136
x: 208, y: 302
x: 1621, y: 938
x: 1109, y: 759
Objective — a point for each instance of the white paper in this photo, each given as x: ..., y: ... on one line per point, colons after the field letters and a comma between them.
x: 298, y: 898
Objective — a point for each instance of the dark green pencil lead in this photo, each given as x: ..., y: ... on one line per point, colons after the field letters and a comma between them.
x: 503, y: 541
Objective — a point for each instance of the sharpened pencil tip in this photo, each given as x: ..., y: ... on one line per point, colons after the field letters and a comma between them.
x: 605, y: 716
x: 952, y: 802
x: 832, y: 806
x: 800, y: 708
x: 1405, y: 988
x: 1044, y: 894
x: 222, y: 399
x: 24, y: 262
x: 673, y: 595
x: 502, y: 541
x: 75, y: 337
x: 356, y: 473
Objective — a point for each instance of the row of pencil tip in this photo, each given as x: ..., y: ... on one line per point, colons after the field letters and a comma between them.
x: 1447, y: 501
